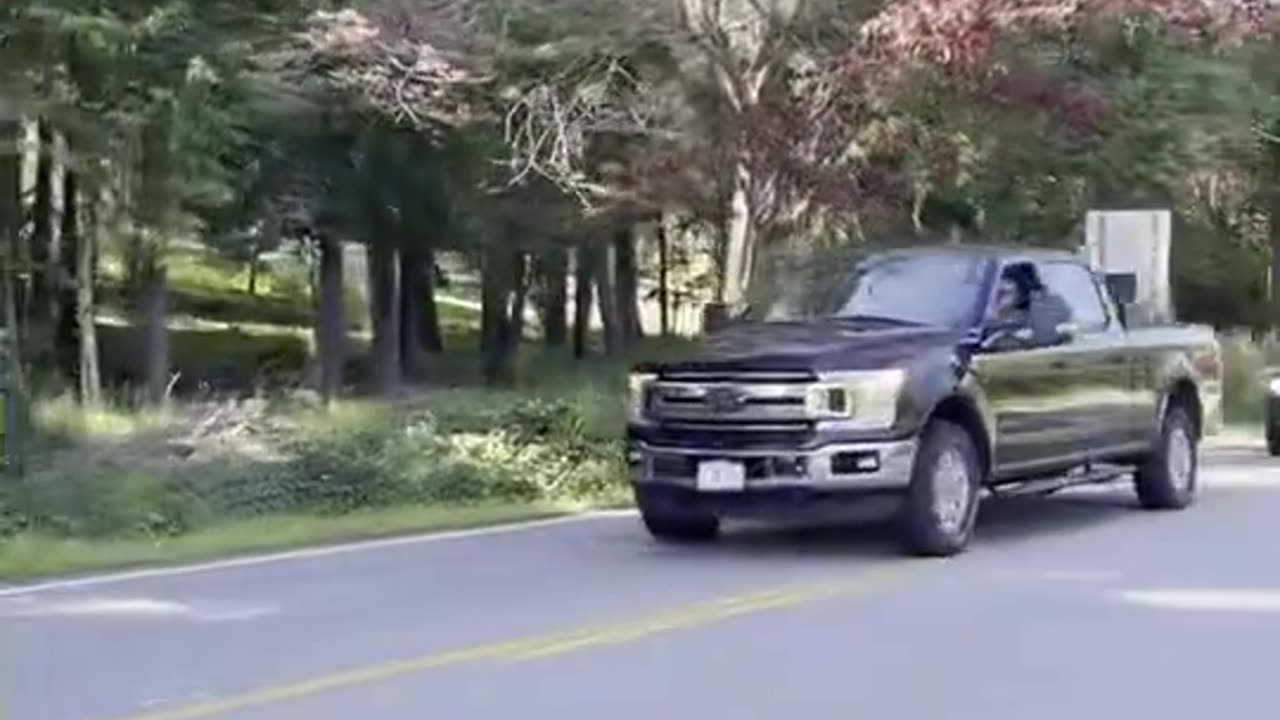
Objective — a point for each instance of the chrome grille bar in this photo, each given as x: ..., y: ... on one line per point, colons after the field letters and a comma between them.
x: 748, y: 377
x: 727, y: 402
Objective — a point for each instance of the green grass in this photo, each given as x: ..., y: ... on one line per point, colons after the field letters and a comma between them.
x: 32, y: 555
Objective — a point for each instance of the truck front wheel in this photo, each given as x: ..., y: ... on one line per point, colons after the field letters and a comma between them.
x: 1166, y: 480
x: 941, y: 505
x: 670, y: 525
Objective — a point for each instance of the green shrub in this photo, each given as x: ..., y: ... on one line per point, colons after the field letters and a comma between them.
x: 451, y: 447
x: 1244, y: 366
x: 526, y: 451
x: 85, y: 504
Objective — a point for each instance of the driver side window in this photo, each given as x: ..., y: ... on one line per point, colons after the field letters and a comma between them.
x: 1026, y: 313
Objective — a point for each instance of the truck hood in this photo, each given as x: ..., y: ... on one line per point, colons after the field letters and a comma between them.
x: 812, y: 347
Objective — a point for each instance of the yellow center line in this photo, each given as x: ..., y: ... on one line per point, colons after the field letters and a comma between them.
x: 686, y: 617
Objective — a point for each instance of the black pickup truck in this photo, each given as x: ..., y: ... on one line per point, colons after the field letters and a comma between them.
x: 917, y: 380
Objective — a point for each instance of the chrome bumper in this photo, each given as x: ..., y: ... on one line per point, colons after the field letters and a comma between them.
x: 855, y: 466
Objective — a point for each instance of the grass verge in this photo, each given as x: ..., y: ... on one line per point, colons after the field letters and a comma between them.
x: 31, y: 555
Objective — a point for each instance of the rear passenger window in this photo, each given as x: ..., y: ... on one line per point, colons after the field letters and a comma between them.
x: 1075, y: 285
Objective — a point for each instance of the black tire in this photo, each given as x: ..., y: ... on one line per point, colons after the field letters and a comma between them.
x: 678, y: 527
x: 925, y: 531
x: 1159, y: 484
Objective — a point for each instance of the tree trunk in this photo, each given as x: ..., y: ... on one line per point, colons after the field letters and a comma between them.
x: 90, y: 374
x: 11, y: 214
x: 1272, y: 152
x: 495, y: 317
x: 606, y: 290
x: 664, y: 301
x: 491, y: 293
x: 43, y: 298
x: 10, y: 245
x: 15, y: 384
x: 252, y: 285
x: 155, y: 295
x: 519, y: 301
x: 554, y: 273
x: 413, y: 287
x: 429, y: 329
x: 384, y: 316
x: 740, y: 244
x: 330, y: 322
x: 584, y: 262
x: 65, y: 339
x: 627, y: 286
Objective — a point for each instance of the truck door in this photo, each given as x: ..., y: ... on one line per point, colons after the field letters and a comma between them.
x: 1023, y: 382
x: 1095, y: 396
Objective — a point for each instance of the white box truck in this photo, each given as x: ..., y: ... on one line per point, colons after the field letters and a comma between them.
x: 1135, y: 242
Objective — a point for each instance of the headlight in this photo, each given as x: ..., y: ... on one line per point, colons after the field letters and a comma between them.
x: 860, y: 400
x: 638, y: 394
x: 1273, y: 386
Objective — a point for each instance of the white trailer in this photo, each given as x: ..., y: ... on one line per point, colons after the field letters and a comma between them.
x: 1134, y: 242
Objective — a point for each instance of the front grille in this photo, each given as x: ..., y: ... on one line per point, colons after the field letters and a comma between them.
x: 735, y: 399
x: 716, y: 409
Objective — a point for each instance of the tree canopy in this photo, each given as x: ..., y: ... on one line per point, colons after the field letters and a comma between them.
x: 541, y: 139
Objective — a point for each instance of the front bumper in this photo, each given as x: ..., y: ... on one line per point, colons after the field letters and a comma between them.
x: 863, y: 466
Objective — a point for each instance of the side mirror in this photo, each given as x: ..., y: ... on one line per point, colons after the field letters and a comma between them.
x: 1067, y: 331
x: 1123, y: 287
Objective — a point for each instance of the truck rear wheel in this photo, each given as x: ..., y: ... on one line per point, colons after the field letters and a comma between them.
x: 941, y: 506
x: 680, y: 526
x: 1167, y: 479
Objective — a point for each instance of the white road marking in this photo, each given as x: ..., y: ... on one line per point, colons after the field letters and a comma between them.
x: 303, y: 554
x: 1241, y: 478
x: 100, y: 607
x: 1212, y: 600
x: 114, y: 608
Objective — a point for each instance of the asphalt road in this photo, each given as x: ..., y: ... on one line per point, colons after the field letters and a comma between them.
x: 1076, y: 606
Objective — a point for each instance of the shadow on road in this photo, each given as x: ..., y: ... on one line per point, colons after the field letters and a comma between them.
x: 1001, y: 521
x: 1026, y: 518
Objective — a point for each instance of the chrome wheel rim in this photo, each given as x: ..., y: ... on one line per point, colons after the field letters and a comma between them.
x: 1181, y: 459
x: 951, y: 490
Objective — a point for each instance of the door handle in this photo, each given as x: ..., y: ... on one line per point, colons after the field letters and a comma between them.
x: 1058, y: 365
x: 1115, y: 360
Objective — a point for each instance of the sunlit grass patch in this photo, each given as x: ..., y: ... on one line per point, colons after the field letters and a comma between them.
x: 64, y: 416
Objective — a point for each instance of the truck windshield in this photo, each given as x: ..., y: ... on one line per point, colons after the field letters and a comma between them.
x: 908, y: 288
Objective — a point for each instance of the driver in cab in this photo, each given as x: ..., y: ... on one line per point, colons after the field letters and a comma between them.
x: 1026, y: 313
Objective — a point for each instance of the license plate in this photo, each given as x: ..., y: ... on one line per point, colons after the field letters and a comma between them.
x: 721, y: 476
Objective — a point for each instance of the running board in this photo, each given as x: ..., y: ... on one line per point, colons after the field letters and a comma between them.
x: 1097, y: 475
